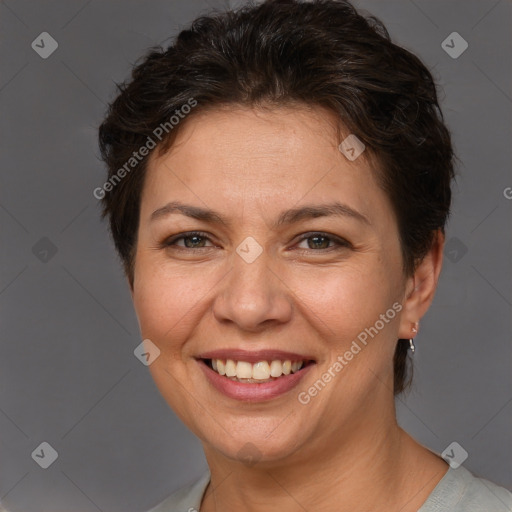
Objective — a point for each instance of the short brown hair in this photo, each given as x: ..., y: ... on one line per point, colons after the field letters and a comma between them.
x: 320, y: 52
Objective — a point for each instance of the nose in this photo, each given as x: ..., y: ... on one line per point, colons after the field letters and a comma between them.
x: 253, y: 296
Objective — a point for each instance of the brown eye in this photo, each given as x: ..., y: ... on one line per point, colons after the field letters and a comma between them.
x: 318, y: 242
x: 322, y: 241
x: 195, y: 240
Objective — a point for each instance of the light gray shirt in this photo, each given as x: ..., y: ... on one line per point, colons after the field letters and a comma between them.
x: 458, y: 491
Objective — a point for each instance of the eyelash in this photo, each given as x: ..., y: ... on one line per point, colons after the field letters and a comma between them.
x: 340, y: 242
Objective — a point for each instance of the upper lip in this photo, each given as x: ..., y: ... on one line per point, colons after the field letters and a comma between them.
x: 253, y: 356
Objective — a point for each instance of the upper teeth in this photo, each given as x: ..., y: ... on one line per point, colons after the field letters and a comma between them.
x: 261, y: 370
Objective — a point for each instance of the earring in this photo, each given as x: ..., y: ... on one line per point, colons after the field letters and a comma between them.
x: 411, y: 340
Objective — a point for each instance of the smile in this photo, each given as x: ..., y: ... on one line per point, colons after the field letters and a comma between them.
x: 262, y: 371
x: 254, y: 376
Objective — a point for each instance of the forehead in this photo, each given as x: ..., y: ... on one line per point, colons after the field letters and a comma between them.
x: 234, y: 157
x: 284, y: 133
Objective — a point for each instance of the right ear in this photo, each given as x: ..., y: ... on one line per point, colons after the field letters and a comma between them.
x: 421, y: 287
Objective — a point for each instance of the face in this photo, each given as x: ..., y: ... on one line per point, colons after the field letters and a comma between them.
x: 260, y: 242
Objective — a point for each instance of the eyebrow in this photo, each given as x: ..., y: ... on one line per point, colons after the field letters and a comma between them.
x: 287, y: 217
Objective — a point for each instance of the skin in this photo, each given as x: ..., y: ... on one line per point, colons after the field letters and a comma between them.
x: 344, y: 449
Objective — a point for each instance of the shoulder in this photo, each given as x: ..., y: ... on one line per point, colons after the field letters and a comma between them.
x: 186, y: 499
x: 461, y: 491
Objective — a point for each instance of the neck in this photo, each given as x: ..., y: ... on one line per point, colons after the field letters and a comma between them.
x: 376, y: 466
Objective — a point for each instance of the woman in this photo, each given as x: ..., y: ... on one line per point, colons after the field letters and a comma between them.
x: 279, y: 183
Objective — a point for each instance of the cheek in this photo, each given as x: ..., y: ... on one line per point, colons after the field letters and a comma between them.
x: 166, y: 305
x: 164, y: 301
x: 345, y: 300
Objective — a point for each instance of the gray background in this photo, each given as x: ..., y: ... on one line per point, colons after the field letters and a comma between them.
x: 68, y: 375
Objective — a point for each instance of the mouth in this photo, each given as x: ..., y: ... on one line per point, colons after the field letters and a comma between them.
x: 256, y: 373
x: 254, y: 376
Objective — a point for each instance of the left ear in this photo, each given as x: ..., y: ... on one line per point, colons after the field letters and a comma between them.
x: 420, y: 288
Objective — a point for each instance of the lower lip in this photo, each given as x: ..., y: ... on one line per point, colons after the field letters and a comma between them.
x: 253, y: 392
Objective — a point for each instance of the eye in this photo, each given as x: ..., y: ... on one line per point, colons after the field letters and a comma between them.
x: 198, y: 240
x: 321, y: 241
x: 192, y: 240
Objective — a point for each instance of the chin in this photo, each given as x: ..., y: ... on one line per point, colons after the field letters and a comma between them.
x: 253, y: 445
